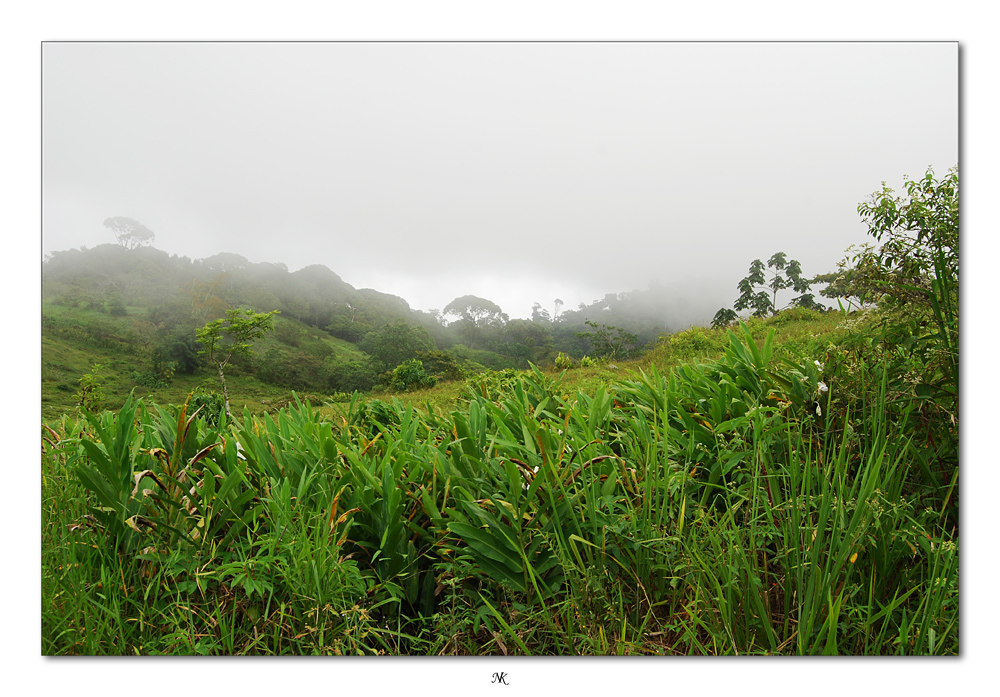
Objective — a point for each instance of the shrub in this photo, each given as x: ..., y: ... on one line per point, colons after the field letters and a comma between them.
x: 270, y: 367
x: 356, y: 376
x: 148, y: 378
x: 212, y: 405
x: 370, y: 415
x: 90, y: 396
x: 343, y: 328
x: 408, y: 375
x: 75, y: 296
x: 178, y: 350
x: 440, y: 364
x: 916, y: 271
x: 563, y: 362
x: 608, y: 341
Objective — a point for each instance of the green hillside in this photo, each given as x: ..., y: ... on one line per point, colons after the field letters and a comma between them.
x: 135, y: 313
x: 302, y: 358
x: 75, y: 339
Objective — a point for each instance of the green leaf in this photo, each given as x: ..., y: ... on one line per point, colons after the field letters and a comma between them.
x: 488, y: 545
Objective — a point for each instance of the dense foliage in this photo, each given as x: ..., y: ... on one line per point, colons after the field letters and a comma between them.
x: 330, y: 337
x: 775, y: 506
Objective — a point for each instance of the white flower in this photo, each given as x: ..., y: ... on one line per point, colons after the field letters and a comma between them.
x: 818, y: 365
x: 822, y: 387
x: 819, y: 410
x: 525, y: 486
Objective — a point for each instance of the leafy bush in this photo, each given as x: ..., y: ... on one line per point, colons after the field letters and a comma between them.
x: 90, y: 396
x: 148, y: 378
x: 916, y: 271
x: 75, y: 296
x: 295, y: 369
x: 179, y: 350
x: 368, y: 416
x: 318, y: 348
x: 472, y: 360
x: 409, y: 375
x: 355, y: 376
x: 610, y: 342
x: 563, y: 362
x: 211, y: 403
x: 440, y: 364
x: 585, y: 362
x: 343, y: 328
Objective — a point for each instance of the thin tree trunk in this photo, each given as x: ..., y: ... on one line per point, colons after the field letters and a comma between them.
x: 225, y: 394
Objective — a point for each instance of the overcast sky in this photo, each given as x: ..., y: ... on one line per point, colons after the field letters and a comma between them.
x: 518, y: 172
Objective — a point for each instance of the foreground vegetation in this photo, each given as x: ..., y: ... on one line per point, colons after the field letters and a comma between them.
x: 732, y: 507
x: 784, y: 486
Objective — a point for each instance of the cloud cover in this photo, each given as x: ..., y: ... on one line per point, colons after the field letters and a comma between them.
x: 518, y: 172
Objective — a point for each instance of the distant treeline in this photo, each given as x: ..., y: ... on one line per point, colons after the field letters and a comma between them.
x: 168, y: 297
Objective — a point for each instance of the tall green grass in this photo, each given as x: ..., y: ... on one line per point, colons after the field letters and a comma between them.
x: 755, y: 504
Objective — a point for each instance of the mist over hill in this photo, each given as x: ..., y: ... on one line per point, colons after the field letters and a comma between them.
x: 110, y: 275
x: 154, y: 302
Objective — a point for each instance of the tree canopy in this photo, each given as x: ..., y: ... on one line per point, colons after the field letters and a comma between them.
x: 396, y: 342
x: 129, y: 233
x: 479, y: 311
x: 234, y: 335
x: 755, y: 285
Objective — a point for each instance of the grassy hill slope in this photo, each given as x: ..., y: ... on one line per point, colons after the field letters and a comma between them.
x: 76, y: 339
